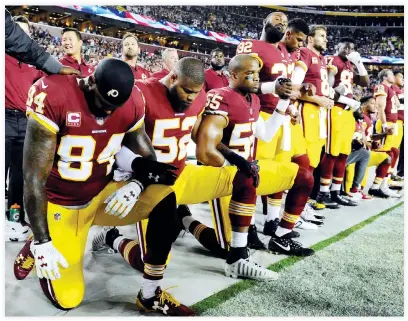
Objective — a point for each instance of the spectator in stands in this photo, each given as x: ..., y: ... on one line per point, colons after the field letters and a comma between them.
x: 169, y: 57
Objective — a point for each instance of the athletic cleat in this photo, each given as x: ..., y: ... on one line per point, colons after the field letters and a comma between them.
x: 316, y: 206
x: 182, y: 212
x: 305, y: 225
x: 389, y: 192
x: 104, y: 239
x: 254, y: 242
x: 163, y: 303
x: 271, y: 226
x: 16, y: 232
x: 282, y: 245
x: 308, y: 214
x: 336, y: 197
x: 377, y: 193
x: 324, y: 199
x: 397, y: 178
x: 245, y: 268
x: 24, y: 262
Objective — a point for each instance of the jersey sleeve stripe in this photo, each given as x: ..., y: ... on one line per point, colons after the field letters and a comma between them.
x: 49, y: 124
x: 137, y: 125
x: 333, y: 68
x: 380, y: 94
x: 218, y: 113
x: 301, y: 64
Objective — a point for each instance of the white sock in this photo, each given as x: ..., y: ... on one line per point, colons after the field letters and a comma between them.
x: 239, y: 239
x: 384, y: 183
x: 117, y: 242
x: 149, y: 288
x: 273, y: 212
x: 324, y: 188
x: 187, y: 220
x: 335, y: 187
x: 253, y: 220
x: 280, y: 231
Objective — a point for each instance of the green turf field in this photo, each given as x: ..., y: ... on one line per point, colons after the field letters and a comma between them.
x: 359, y: 272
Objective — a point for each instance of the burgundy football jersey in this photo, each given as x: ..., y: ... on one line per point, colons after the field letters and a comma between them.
x: 140, y: 72
x: 214, y: 80
x: 400, y: 94
x: 86, y: 145
x: 170, y: 131
x: 316, y: 71
x: 391, y: 107
x: 367, y: 127
x: 160, y: 74
x: 83, y: 67
x: 242, y: 113
x: 19, y: 78
x: 276, y: 62
x: 344, y: 75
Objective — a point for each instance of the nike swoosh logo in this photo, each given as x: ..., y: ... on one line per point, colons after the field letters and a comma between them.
x: 44, y: 86
x: 286, y: 248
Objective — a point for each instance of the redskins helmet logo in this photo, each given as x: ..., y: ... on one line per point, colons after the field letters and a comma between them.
x: 113, y: 92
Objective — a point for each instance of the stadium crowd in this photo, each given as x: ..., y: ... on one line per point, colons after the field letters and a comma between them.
x: 77, y: 175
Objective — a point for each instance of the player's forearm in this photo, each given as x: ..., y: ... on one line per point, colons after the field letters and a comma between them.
x: 312, y: 99
x: 266, y: 130
x: 39, y: 152
x: 362, y: 81
x: 210, y: 156
x: 139, y: 143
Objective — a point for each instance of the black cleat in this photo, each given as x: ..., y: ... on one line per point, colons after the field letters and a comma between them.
x: 323, y: 198
x: 271, y: 226
x: 377, y: 193
x: 336, y: 197
x: 283, y: 245
x: 254, y: 242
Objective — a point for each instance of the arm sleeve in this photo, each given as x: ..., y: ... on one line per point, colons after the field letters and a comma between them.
x: 266, y: 130
x: 19, y: 45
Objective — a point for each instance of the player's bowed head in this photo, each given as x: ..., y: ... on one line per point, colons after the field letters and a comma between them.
x: 109, y: 87
x: 184, y: 83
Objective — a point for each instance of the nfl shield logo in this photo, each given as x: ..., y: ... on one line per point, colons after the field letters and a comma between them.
x: 57, y: 216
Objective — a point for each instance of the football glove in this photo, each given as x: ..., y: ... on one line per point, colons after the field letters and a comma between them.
x: 122, y: 201
x: 283, y: 88
x: 150, y: 172
x: 46, y: 259
x: 251, y: 169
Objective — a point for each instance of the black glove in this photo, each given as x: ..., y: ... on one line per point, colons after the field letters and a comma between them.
x: 356, y: 144
x: 282, y: 88
x: 251, y: 169
x: 150, y: 172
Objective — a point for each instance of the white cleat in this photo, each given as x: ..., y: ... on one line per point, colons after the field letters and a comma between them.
x: 99, y: 240
x: 245, y: 268
x: 357, y: 196
x: 304, y: 225
x: 390, y: 192
x: 15, y: 232
x: 308, y: 215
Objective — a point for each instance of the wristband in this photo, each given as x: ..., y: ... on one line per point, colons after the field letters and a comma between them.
x: 353, y: 104
x: 42, y: 241
x: 138, y: 183
x: 226, y: 163
x: 292, y: 109
x: 385, y: 127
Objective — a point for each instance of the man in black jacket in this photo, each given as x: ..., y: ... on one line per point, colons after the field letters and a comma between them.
x: 25, y: 49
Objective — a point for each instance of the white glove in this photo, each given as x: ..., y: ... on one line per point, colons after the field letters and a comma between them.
x: 122, y: 201
x: 354, y: 57
x: 46, y: 259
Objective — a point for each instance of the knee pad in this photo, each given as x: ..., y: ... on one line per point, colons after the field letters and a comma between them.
x: 243, y: 188
x: 302, y: 160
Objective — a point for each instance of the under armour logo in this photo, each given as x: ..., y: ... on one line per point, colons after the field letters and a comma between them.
x: 113, y: 93
x: 156, y: 178
x: 156, y: 306
x: 127, y: 198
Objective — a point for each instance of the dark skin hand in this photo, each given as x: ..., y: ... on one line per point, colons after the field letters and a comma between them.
x: 65, y: 70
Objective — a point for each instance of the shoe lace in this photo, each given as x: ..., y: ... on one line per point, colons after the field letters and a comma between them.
x: 27, y: 263
x: 165, y: 296
x: 294, y: 245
